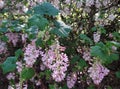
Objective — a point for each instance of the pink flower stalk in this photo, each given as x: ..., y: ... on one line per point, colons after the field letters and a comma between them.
x: 86, y: 56
x: 97, y: 72
x: 11, y: 76
x: 37, y: 82
x: 98, y: 4
x: 13, y: 37
x: 10, y: 87
x: 89, y: 2
x: 62, y: 48
x: 1, y: 4
x: 18, y: 86
x: 19, y: 66
x: 71, y: 80
x: 96, y: 37
x: 25, y: 86
x: 42, y: 67
x: 111, y: 17
x: 24, y: 38
x: 31, y: 54
x: 3, y: 48
x: 57, y: 61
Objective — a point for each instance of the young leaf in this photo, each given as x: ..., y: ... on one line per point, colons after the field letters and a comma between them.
x: 19, y: 53
x: 86, y: 38
x: 61, y: 29
x: 9, y: 65
x: 3, y: 30
x: 75, y: 59
x: 45, y: 9
x: 27, y: 73
x: 51, y: 86
x: 81, y: 64
x: 39, y: 21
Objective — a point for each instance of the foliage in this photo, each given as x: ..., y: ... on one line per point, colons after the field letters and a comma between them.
x: 60, y: 44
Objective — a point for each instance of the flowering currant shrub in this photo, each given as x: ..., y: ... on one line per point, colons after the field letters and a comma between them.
x: 59, y: 44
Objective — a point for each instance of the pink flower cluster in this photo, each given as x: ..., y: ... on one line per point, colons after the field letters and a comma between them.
x: 86, y: 56
x: 13, y: 37
x: 89, y: 2
x: 3, y: 48
x: 19, y: 66
x: 57, y: 61
x: 96, y: 37
x: 1, y: 4
x: 71, y: 80
x: 11, y: 76
x: 17, y: 86
x: 97, y: 72
x: 31, y: 54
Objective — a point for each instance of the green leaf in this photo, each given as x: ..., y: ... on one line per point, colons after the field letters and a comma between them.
x: 61, y: 29
x: 45, y: 9
x: 86, y: 38
x: 3, y: 29
x: 94, y: 29
x: 4, y: 38
x: 65, y: 87
x: 81, y: 64
x: 9, y: 65
x: 75, y: 59
x: 96, y: 51
x: 19, y: 53
x: 103, y: 53
x: 91, y: 87
x: 118, y: 74
x: 102, y: 29
x: 39, y: 21
x: 116, y: 35
x: 39, y: 42
x: 51, y: 86
x: 109, y: 87
x: 47, y: 73
x: 27, y: 73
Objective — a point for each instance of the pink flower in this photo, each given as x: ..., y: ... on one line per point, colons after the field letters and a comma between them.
x: 3, y: 47
x: 62, y: 48
x: 1, y: 4
x: 89, y: 2
x: 86, y: 56
x: 96, y: 37
x: 58, y: 76
x: 19, y: 66
x: 31, y: 54
x: 57, y: 61
x: 71, y: 80
x: 13, y: 37
x: 97, y: 72
x: 11, y: 76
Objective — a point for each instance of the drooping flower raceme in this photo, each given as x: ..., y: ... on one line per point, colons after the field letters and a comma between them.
x: 111, y: 17
x: 71, y: 80
x: 31, y: 54
x: 86, y: 56
x: 57, y: 61
x: 1, y: 4
x: 97, y: 72
x: 96, y: 37
x: 3, y: 48
x: 13, y: 37
x: 19, y: 66
x: 89, y: 2
x: 11, y: 76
